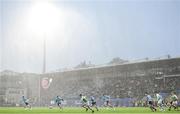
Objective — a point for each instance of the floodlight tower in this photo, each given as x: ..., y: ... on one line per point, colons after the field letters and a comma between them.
x: 43, y: 20
x: 44, y: 55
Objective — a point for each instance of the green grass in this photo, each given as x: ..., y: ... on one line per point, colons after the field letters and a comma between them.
x: 82, y: 111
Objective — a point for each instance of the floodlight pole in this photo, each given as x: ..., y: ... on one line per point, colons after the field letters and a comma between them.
x: 44, y: 55
x: 44, y: 67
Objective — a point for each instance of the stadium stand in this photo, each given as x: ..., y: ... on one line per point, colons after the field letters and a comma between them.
x: 125, y: 83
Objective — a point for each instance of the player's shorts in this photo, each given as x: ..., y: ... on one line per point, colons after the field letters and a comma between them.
x: 150, y: 103
x: 26, y: 103
x: 106, y: 103
x: 171, y: 102
x: 59, y: 103
x: 85, y: 103
x: 93, y: 103
x: 160, y: 102
x: 174, y: 103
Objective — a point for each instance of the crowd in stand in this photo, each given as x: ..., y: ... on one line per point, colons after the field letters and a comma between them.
x: 118, y: 88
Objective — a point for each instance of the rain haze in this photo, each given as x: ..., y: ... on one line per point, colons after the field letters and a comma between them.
x: 77, y: 30
x: 100, y: 55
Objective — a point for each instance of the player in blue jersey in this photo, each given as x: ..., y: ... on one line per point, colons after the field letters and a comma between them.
x: 26, y: 102
x: 160, y: 102
x: 85, y: 103
x: 93, y: 103
x: 150, y: 102
x: 58, y: 101
x: 106, y: 100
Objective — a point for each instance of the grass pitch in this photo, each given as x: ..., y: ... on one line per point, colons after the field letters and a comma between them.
x: 82, y: 111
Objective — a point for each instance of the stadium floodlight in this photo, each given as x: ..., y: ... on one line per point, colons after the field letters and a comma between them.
x: 43, y: 19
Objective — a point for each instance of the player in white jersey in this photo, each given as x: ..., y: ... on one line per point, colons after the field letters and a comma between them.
x: 174, y: 101
x: 160, y: 102
x: 85, y: 103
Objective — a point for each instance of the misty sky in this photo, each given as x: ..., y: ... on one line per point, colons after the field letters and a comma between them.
x: 94, y: 31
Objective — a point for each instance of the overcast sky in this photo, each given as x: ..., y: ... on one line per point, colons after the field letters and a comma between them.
x: 92, y: 31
